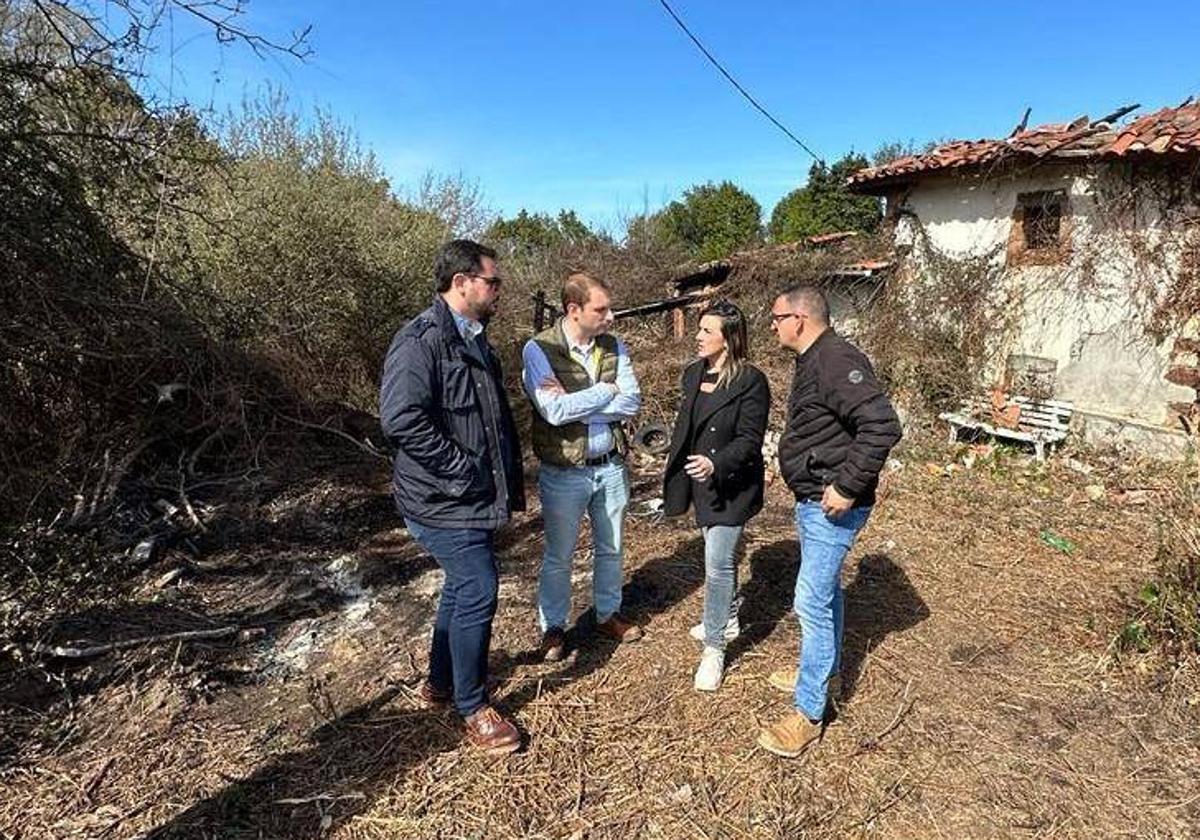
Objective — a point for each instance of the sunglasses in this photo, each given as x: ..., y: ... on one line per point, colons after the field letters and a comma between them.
x: 493, y: 282
x: 775, y: 319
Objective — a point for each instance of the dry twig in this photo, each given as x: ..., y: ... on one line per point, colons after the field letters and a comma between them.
x: 86, y: 652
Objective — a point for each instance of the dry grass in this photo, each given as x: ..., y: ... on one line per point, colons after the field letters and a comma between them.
x: 982, y: 694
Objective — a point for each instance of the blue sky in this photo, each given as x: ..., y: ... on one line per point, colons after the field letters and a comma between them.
x: 607, y: 108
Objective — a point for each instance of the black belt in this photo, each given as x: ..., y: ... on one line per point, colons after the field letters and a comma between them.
x: 600, y: 460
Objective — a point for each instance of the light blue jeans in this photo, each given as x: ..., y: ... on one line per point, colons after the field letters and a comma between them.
x: 824, y: 543
x: 567, y: 493
x: 720, y: 580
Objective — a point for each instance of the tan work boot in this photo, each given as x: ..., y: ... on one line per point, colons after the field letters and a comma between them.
x: 790, y: 735
x: 784, y: 679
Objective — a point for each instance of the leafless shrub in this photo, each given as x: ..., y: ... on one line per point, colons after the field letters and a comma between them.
x: 942, y: 325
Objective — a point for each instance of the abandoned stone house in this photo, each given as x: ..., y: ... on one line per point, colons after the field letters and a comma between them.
x: 1094, y: 224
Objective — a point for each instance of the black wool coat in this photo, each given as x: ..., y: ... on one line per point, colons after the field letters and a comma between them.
x: 731, y: 434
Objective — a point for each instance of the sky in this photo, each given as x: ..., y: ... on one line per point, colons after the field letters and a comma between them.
x: 608, y: 109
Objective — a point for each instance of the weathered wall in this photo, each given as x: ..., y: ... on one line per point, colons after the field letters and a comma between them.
x: 1077, y: 312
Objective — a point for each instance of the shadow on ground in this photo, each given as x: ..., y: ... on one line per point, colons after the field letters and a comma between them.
x: 881, y: 600
x: 302, y: 794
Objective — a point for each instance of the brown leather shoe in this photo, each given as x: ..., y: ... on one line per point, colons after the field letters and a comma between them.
x: 434, y: 697
x: 554, y: 645
x: 491, y: 732
x: 618, y: 629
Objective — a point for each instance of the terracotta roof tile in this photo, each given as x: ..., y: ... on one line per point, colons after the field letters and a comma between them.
x: 1167, y: 130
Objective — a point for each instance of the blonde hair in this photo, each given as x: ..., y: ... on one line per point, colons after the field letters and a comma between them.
x: 737, y: 339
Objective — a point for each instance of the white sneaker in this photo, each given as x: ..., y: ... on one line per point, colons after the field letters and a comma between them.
x: 711, y: 669
x: 732, y: 630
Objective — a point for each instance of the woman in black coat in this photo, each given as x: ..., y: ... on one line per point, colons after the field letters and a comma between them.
x: 716, y: 468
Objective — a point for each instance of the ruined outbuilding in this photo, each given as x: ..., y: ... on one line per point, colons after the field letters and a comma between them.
x: 849, y: 267
x: 1094, y: 226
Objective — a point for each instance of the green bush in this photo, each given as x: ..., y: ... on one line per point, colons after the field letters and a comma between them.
x: 1168, y: 609
x: 711, y: 221
x: 824, y: 204
x: 304, y: 251
x: 254, y: 272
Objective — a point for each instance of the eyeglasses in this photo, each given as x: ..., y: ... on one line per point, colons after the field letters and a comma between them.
x: 775, y: 319
x: 493, y: 282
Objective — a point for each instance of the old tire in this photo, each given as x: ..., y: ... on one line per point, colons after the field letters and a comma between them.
x: 652, y: 438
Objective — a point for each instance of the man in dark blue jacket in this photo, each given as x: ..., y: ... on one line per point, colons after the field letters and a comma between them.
x: 457, y: 474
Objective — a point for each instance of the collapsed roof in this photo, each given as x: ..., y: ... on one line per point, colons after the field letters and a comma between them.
x: 1166, y: 131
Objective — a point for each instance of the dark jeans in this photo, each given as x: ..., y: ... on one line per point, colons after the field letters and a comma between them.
x: 462, y: 631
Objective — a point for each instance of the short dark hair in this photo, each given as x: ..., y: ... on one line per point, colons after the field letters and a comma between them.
x: 459, y: 256
x: 809, y: 298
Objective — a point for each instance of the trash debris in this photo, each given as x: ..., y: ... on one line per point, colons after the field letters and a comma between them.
x: 170, y: 577
x: 1135, y: 497
x: 1078, y: 466
x: 146, y: 551
x: 977, y: 452
x: 652, y: 438
x: 681, y: 795
x: 1055, y: 541
x: 651, y: 508
x: 1096, y: 492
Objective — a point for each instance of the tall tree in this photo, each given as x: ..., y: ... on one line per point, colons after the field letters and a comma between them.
x: 714, y: 220
x: 527, y: 232
x: 825, y: 204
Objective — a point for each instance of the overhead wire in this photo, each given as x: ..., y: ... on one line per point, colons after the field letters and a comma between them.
x: 712, y: 59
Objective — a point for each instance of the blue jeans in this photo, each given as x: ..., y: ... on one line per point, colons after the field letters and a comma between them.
x: 824, y: 543
x: 462, y: 631
x: 567, y: 493
x: 720, y: 580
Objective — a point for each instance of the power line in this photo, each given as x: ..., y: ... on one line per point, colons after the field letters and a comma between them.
x: 739, y: 88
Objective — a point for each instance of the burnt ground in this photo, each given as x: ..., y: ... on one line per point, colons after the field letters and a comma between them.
x: 985, y: 694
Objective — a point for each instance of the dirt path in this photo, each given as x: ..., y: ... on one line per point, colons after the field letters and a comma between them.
x: 981, y: 697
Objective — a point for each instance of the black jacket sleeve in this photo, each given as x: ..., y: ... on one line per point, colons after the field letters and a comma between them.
x: 406, y: 411
x: 747, y: 441
x: 856, y: 398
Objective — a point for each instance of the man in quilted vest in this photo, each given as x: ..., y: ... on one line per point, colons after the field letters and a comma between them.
x: 582, y: 386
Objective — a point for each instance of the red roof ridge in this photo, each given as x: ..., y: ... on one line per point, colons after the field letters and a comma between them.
x: 1166, y: 130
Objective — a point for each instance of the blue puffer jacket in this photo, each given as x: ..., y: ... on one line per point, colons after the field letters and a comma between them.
x: 458, y: 459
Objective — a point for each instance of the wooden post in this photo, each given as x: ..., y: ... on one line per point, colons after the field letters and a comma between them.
x: 539, y: 311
